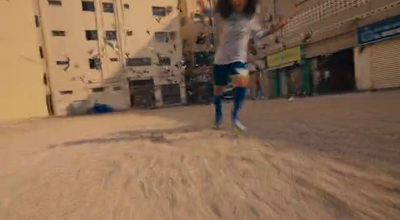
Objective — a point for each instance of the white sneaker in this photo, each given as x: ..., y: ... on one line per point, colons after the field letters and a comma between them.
x: 238, y: 125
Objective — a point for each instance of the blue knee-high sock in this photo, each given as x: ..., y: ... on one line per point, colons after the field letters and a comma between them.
x: 240, y: 94
x: 218, y: 107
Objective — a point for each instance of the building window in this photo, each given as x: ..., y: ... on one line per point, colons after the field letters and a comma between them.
x: 37, y: 21
x: 117, y: 88
x: 108, y: 7
x: 126, y: 6
x: 88, y: 6
x: 55, y: 2
x: 41, y: 52
x: 62, y: 62
x: 161, y: 36
x: 111, y: 35
x: 203, y: 58
x: 66, y: 92
x: 98, y: 89
x: 159, y: 11
x: 138, y: 61
x: 94, y: 64
x: 91, y: 35
x: 164, y: 61
x: 58, y: 33
x: 114, y: 59
x: 172, y: 35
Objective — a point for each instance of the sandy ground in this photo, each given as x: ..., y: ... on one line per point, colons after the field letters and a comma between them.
x: 332, y: 157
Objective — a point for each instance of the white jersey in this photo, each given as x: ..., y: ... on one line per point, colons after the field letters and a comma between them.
x: 233, y: 42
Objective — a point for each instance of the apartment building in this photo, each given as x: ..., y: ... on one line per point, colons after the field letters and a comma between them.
x: 122, y: 53
x: 199, y: 33
x: 321, y: 49
x: 22, y: 90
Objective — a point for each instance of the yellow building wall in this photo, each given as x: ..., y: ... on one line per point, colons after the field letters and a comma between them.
x: 22, y: 92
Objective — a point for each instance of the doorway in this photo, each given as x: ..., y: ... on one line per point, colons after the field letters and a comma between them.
x: 171, y: 94
x: 336, y: 72
x: 142, y: 93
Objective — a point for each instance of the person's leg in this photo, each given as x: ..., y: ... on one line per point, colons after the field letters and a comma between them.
x: 218, y: 105
x: 261, y: 92
x: 240, y: 78
x: 257, y: 92
x: 220, y: 82
x: 240, y: 94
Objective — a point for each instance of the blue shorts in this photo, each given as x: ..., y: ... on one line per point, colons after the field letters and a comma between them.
x: 224, y: 73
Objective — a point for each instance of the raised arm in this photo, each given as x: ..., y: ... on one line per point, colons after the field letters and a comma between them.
x: 274, y: 28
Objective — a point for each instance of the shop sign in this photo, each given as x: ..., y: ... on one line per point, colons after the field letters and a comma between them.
x: 379, y: 31
x: 284, y: 57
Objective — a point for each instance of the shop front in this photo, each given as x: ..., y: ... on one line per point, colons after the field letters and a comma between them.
x: 332, y: 64
x: 377, y: 57
x: 334, y: 73
x: 288, y: 73
x: 142, y: 93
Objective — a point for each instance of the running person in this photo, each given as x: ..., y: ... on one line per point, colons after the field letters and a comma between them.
x: 236, y: 20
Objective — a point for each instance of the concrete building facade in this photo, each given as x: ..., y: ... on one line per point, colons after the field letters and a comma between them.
x: 327, y: 31
x: 122, y: 53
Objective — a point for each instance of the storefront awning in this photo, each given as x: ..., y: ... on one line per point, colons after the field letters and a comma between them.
x: 281, y: 66
x: 284, y: 57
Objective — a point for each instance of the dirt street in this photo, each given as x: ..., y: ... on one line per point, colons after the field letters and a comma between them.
x: 331, y: 157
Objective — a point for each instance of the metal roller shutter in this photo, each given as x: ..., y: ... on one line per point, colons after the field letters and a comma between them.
x: 171, y: 94
x: 385, y: 67
x: 142, y: 93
